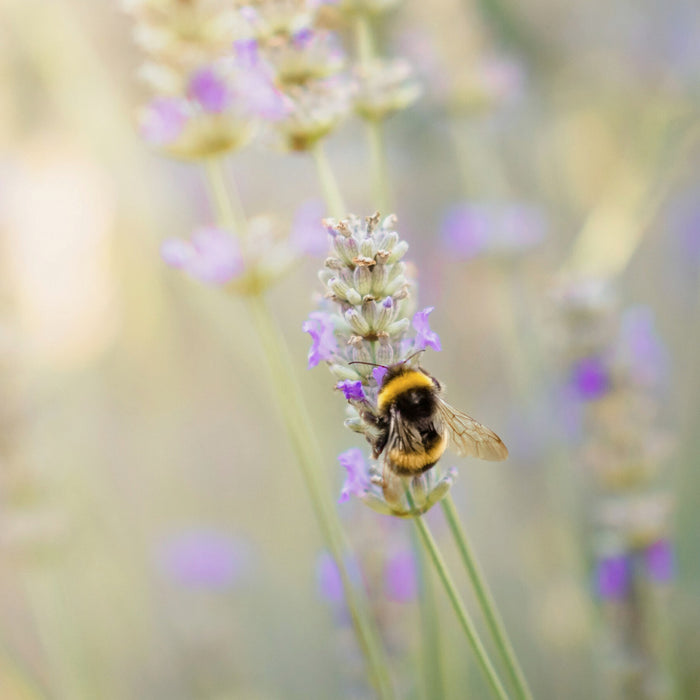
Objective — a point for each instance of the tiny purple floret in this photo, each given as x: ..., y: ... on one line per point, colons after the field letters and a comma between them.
x: 425, y: 338
x: 660, y: 561
x: 612, y: 577
x: 163, y: 120
x: 212, y: 255
x: 353, y: 391
x: 590, y: 379
x: 379, y: 373
x: 400, y: 579
x: 323, y: 342
x: 209, y: 90
x: 357, y: 480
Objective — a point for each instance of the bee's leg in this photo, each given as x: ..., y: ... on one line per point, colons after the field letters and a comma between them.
x: 393, y: 487
x: 377, y: 439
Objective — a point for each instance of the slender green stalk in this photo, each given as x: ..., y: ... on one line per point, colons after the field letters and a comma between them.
x: 458, y: 605
x: 302, y: 437
x: 486, y: 601
x: 379, y: 169
x: 366, y: 50
x: 329, y: 185
x: 225, y: 199
x: 430, y: 639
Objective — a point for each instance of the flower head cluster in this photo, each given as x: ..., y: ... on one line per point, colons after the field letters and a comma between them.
x: 367, y: 317
x: 385, y: 86
x: 251, y: 262
x: 218, y: 70
x: 614, y: 366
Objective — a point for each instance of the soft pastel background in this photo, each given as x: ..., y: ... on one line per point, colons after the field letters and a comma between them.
x: 155, y: 538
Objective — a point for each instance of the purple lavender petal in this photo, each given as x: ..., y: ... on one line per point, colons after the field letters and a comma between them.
x: 212, y: 255
x: 308, y: 235
x: 162, y: 120
x: 400, y: 577
x: 425, y: 338
x: 323, y: 342
x: 209, y: 90
x: 379, y: 373
x: 353, y: 391
x: 612, y: 577
x: 357, y: 480
x: 203, y: 559
x: 465, y: 230
x: 590, y: 379
x: 660, y: 561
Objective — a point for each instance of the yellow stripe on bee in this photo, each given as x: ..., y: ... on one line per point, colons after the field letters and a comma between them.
x: 415, y: 461
x: 403, y: 382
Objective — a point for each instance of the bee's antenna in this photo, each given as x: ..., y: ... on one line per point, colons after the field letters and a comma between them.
x: 371, y: 364
x: 410, y: 357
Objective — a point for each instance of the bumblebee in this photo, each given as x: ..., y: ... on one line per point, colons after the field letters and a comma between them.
x: 414, y: 426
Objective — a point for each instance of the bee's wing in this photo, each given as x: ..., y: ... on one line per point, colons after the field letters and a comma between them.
x: 469, y: 438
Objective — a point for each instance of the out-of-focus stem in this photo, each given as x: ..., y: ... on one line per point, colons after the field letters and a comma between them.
x: 365, y: 48
x: 430, y: 639
x: 463, y: 616
x: 298, y: 425
x: 225, y: 198
x: 485, y: 598
x: 329, y: 185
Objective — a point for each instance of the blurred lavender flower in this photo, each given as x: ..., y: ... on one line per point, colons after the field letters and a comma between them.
x: 162, y: 120
x: 590, y: 379
x: 209, y: 90
x: 473, y: 229
x: 660, y: 561
x: 639, y: 348
x: 613, y: 577
x: 206, y: 559
x: 212, y: 255
x: 400, y: 576
x: 307, y: 235
x: 329, y: 581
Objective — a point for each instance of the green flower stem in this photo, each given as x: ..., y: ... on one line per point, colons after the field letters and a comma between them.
x: 458, y: 605
x: 430, y: 639
x: 366, y: 52
x: 329, y: 185
x: 379, y: 169
x: 300, y: 430
x: 225, y: 199
x: 486, y: 601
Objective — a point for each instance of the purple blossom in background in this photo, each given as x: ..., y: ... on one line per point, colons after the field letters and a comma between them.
x: 639, y: 347
x: 613, y: 577
x: 210, y: 90
x: 323, y: 343
x: 162, y: 120
x: 590, y: 379
x: 473, y: 229
x: 425, y: 338
x: 330, y: 584
x: 400, y: 576
x: 212, y: 255
x: 379, y: 373
x: 308, y: 236
x: 465, y: 230
x: 255, y: 86
x: 660, y: 561
x: 357, y: 480
x: 203, y: 559
x: 353, y: 391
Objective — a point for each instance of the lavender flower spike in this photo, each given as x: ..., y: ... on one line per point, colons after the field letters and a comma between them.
x: 367, y: 325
